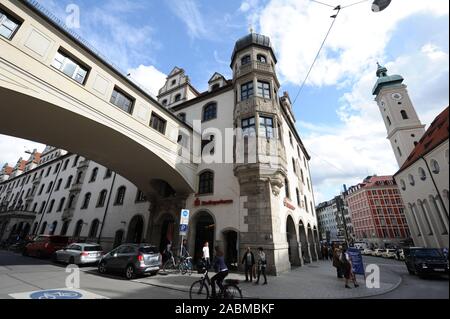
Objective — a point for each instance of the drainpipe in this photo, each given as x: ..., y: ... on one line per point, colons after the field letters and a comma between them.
x: 107, y: 207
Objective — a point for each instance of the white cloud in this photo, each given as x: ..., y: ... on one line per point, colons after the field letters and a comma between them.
x: 12, y: 148
x: 347, y: 151
x: 149, y: 77
x: 189, y: 12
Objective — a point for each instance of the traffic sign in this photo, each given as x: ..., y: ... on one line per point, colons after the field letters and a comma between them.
x: 183, y: 229
x: 184, y: 220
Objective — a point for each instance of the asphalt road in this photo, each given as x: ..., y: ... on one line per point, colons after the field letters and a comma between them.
x: 24, y: 274
x: 411, y: 287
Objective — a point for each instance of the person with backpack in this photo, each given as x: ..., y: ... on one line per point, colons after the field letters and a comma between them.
x: 262, y: 264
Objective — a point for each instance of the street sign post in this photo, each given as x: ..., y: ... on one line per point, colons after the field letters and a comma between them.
x: 184, y: 226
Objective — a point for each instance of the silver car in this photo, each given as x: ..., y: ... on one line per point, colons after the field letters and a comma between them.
x: 79, y: 254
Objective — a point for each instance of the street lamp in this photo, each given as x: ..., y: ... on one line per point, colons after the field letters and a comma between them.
x: 380, y: 5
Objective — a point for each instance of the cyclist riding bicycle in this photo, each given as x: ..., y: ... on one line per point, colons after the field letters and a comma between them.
x: 221, y: 269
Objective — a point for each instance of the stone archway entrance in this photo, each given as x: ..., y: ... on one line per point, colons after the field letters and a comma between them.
x: 135, y: 230
x: 167, y: 232
x: 312, y: 245
x: 118, y: 238
x: 304, y: 243
x: 231, y: 249
x: 291, y: 237
x: 203, y: 230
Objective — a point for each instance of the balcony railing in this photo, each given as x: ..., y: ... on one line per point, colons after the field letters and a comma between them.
x: 254, y: 66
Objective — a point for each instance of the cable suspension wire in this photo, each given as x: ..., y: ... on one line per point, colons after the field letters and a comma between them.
x: 322, y: 3
x: 338, y: 8
x: 353, y: 4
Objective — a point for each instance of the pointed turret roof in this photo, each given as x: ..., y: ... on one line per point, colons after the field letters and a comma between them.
x: 385, y: 80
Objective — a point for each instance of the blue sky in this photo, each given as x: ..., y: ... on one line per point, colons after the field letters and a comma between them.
x: 337, y: 118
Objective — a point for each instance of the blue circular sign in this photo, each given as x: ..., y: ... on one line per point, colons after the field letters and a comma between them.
x: 185, y: 213
x: 56, y: 294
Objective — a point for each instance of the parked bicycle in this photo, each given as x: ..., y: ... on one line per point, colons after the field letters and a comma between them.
x: 200, y: 289
x: 185, y: 265
x: 171, y: 264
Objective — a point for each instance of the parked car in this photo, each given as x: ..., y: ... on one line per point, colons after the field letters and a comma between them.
x: 367, y: 252
x: 389, y: 253
x: 132, y: 260
x: 421, y: 261
x: 378, y: 252
x: 45, y: 245
x: 79, y: 254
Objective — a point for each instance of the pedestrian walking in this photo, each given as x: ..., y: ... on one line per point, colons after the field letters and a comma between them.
x: 248, y: 261
x: 337, y: 262
x: 262, y: 264
x: 330, y: 252
x: 205, y: 255
x: 348, y: 269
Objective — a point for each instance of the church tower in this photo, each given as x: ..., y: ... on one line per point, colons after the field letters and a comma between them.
x: 260, y: 155
x: 403, y: 126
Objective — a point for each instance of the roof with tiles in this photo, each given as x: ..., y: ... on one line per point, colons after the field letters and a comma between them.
x: 433, y: 137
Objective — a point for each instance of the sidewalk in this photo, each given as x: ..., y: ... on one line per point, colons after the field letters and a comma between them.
x: 313, y: 281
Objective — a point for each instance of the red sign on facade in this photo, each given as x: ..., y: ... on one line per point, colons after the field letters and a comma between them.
x: 198, y: 202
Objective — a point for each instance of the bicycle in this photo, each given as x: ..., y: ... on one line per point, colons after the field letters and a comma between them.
x: 199, y: 289
x: 170, y: 264
x: 185, y: 265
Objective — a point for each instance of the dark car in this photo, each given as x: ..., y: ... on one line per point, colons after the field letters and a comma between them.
x: 45, y: 246
x: 132, y: 260
x: 421, y: 261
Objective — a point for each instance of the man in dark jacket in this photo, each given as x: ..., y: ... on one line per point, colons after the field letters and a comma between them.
x: 248, y: 261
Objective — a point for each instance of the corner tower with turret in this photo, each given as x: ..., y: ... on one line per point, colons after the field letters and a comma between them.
x: 403, y: 126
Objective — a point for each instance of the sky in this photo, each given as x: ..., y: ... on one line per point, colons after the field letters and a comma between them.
x: 337, y: 118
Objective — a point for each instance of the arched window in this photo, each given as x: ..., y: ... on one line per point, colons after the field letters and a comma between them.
x: 102, y: 198
x: 177, y: 97
x: 64, y: 228
x: 42, y: 208
x: 86, y: 200
x: 261, y: 58
x: 61, y: 204
x: 298, y: 197
x: 206, y: 183
x: 50, y: 206
x: 75, y: 161
x: 402, y: 184
x: 71, y: 201
x: 286, y: 188
x: 120, y: 196
x: 246, y: 59
x: 412, y: 182
x: 43, y: 228
x: 215, y: 87
x: 182, y: 117
x: 404, y: 114
x: 69, y: 181
x: 58, y: 184
x: 164, y: 102
x: 210, y: 111
x: 422, y: 174
x: 435, y: 167
x: 79, y: 176
x: 388, y: 120
x: 93, y: 175
x: 78, y: 228
x: 49, y: 188
x: 94, y: 228
x: 53, y: 228
x: 306, y: 204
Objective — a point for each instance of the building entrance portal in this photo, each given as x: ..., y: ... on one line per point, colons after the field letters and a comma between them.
x: 291, y: 235
x: 204, y: 230
x: 167, y: 233
x: 231, y: 249
x: 135, y: 230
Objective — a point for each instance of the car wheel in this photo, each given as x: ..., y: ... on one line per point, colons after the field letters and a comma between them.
x: 129, y: 272
x: 102, y: 267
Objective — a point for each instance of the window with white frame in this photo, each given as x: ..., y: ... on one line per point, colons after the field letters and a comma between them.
x: 8, y: 25
x: 264, y: 89
x: 70, y: 67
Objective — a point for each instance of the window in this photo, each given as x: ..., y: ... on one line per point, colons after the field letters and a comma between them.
x: 71, y: 201
x: 79, y: 176
x: 248, y: 127
x: 246, y: 60
x: 120, y: 196
x: 404, y: 114
x: 158, y: 123
x: 399, y: 151
x: 70, y: 67
x: 93, y: 175
x: 53, y: 228
x: 246, y: 91
x: 264, y: 89
x: 8, y: 26
x: 290, y: 138
x: 182, y: 117
x: 435, y: 167
x: 298, y: 197
x: 108, y: 173
x: 422, y: 174
x: 261, y: 58
x: 57, y: 168
x: 48, y: 171
x: 177, y: 97
x: 41, y: 189
x: 294, y: 166
x: 78, y: 228
x: 94, y: 228
x: 61, y: 204
x: 306, y: 205
x: 86, y: 200
x: 411, y: 180
x: 208, y: 142
x: 210, y: 112
x: 286, y: 188
x: 102, y: 198
x: 66, y: 163
x: 122, y: 101
x: 58, y: 184
x: 403, y: 184
x: 215, y: 87
x: 206, y: 183
x: 140, y: 197
x: 69, y: 181
x: 64, y: 228
x: 164, y: 102
x: 75, y: 161
x: 388, y: 120
x: 174, y: 82
x: 49, y: 188
x: 266, y: 127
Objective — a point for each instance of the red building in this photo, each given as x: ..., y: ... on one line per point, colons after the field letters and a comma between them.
x: 377, y: 212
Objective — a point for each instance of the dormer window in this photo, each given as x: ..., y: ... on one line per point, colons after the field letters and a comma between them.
x: 177, y: 97
x: 164, y: 102
x: 215, y: 87
x: 174, y: 82
x: 261, y: 58
x: 246, y: 60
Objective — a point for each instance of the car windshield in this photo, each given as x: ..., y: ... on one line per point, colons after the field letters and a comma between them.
x: 59, y: 240
x: 148, y: 250
x: 93, y: 248
x: 426, y: 253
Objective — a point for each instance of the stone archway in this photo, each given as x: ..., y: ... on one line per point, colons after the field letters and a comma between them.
x: 312, y: 246
x: 291, y: 237
x: 317, y: 242
x: 135, y: 230
x: 165, y: 231
x: 203, y: 230
x: 231, y: 249
x: 304, y: 246
x: 118, y: 238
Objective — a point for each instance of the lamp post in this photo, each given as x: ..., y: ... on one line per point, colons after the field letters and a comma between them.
x: 380, y: 5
